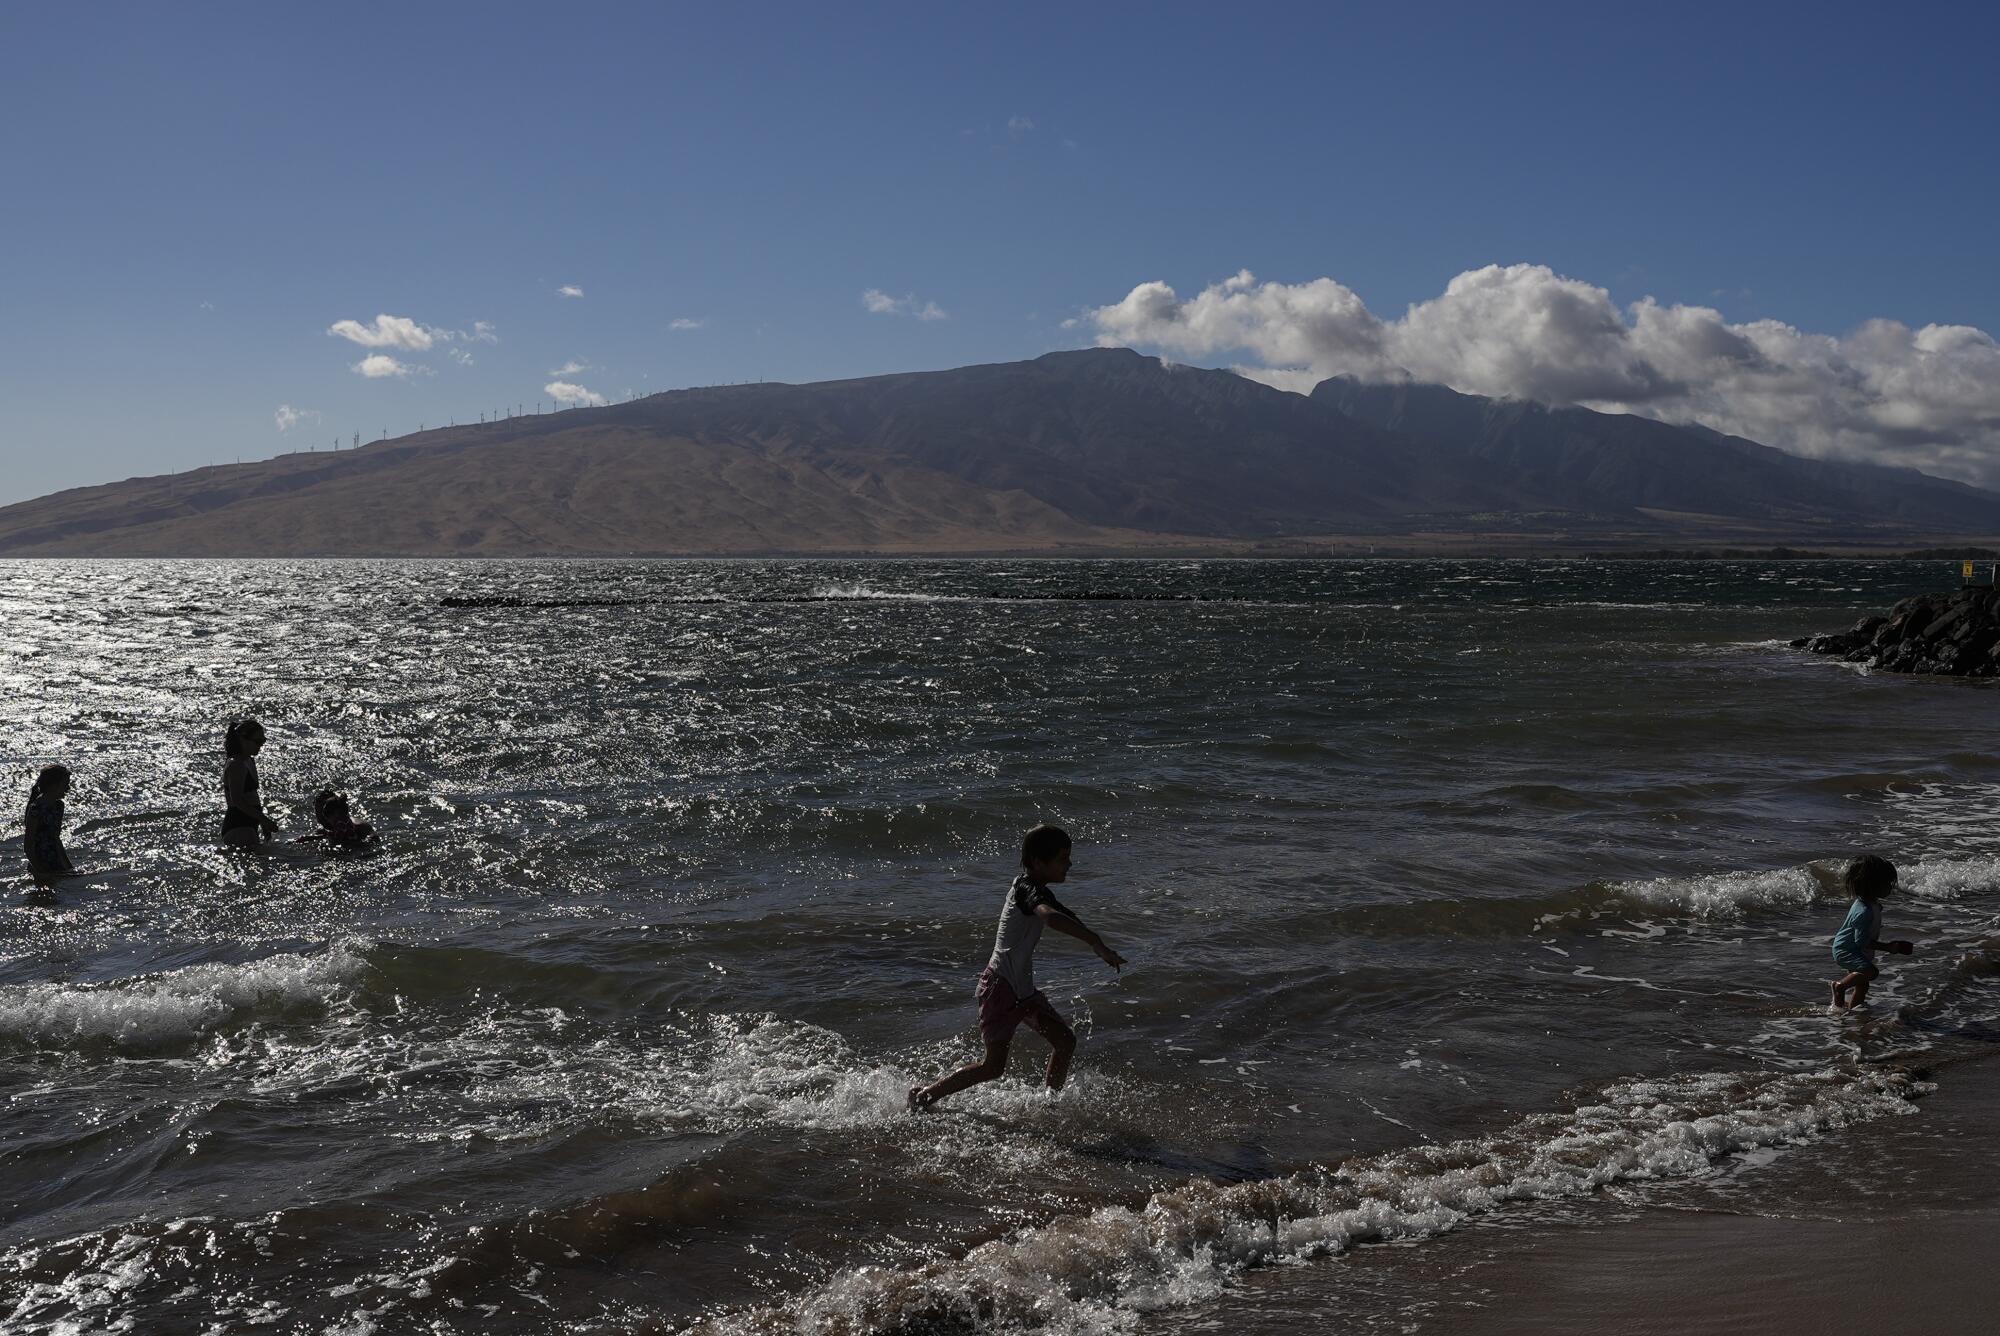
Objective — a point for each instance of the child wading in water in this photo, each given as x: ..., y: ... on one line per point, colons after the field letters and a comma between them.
x: 1007, y: 994
x: 1868, y: 879
x: 41, y: 834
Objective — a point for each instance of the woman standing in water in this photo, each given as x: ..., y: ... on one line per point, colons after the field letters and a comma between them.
x: 243, y: 820
x: 41, y: 834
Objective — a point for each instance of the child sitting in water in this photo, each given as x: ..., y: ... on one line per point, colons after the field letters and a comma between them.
x: 42, y: 823
x: 1007, y: 995
x: 337, y: 824
x: 1868, y: 879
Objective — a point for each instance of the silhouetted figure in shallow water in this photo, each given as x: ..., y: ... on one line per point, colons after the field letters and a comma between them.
x: 243, y: 820
x: 41, y: 833
x: 337, y: 825
x: 1007, y: 996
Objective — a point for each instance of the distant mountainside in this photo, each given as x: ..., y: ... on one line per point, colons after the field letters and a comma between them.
x: 1573, y: 457
x: 1100, y: 450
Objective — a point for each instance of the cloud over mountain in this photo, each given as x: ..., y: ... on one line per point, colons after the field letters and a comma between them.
x: 877, y: 302
x: 573, y: 395
x: 1928, y: 398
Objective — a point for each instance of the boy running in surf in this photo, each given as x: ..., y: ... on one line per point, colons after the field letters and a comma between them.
x: 1007, y: 994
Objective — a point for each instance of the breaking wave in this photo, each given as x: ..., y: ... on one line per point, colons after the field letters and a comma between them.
x: 1097, y: 1272
x: 1728, y: 894
x: 175, y: 1007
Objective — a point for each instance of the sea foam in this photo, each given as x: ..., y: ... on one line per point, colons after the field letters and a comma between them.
x: 175, y: 1007
x: 1729, y: 894
x: 1097, y: 1272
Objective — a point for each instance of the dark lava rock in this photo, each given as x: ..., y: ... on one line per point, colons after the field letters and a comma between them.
x: 1956, y: 634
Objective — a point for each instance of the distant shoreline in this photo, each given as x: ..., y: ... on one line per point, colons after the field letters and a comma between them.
x: 1345, y: 550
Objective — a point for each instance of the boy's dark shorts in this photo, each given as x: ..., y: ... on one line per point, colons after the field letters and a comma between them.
x: 1000, y: 1012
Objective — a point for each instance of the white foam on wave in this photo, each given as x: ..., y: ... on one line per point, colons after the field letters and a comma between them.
x: 1726, y: 894
x: 1949, y: 878
x: 735, y: 1070
x: 174, y: 1007
x: 522, y: 1075
x: 783, y: 1071
x: 93, y: 1283
x: 1096, y: 1273
x: 861, y: 593
x: 1612, y: 605
x: 515, y: 1077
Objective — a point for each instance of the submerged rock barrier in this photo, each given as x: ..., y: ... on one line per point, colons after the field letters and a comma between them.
x: 1955, y: 634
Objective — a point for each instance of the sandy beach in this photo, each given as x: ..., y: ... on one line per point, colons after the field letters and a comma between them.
x: 1890, y: 1226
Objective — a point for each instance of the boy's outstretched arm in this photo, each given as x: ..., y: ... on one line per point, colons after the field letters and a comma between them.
x: 1073, y: 927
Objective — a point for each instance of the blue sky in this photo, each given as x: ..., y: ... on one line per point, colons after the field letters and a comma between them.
x: 194, y: 196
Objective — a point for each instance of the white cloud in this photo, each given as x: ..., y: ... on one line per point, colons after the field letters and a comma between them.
x: 402, y: 333
x: 563, y: 392
x: 570, y: 368
x: 377, y: 366
x: 1019, y: 125
x: 388, y: 331
x: 1928, y: 398
x: 685, y: 323
x: 385, y: 333
x: 569, y: 290
x: 878, y: 302
x: 288, y: 417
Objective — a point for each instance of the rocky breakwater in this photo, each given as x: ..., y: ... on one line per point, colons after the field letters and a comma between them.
x: 1956, y: 634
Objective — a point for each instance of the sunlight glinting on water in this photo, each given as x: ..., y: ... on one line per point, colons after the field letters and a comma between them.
x: 1446, y: 889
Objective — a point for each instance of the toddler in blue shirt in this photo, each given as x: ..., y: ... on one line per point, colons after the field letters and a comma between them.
x: 1868, y: 879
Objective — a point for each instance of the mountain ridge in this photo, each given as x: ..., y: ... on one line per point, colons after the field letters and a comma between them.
x: 1096, y: 450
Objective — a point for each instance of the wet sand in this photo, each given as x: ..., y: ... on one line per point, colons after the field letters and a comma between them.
x: 1687, y: 1271
x: 1891, y: 1226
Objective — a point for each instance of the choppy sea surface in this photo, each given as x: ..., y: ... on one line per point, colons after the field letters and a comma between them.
x: 1453, y: 892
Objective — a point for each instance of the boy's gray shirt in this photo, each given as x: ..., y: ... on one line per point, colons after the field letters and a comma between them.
x: 1020, y: 929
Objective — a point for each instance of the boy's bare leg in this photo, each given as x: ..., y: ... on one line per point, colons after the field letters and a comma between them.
x: 1064, y: 1041
x: 1851, y: 990
x: 989, y: 1068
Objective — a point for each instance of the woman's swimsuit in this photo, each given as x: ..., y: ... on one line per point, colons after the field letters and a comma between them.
x: 235, y: 818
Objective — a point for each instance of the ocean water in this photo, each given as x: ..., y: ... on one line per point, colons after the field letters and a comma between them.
x: 1453, y: 892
